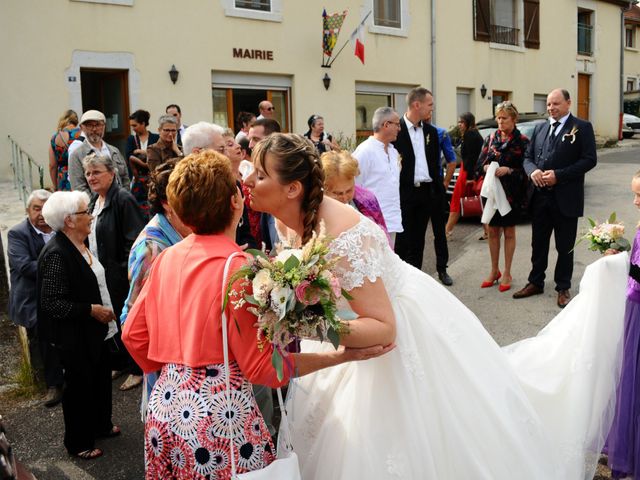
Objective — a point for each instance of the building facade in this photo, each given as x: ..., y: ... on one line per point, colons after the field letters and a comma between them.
x: 115, y: 55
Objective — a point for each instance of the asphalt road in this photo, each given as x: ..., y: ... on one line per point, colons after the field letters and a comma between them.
x: 36, y: 432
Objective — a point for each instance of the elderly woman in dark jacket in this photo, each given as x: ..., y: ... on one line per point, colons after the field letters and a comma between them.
x: 74, y: 303
x: 118, y: 221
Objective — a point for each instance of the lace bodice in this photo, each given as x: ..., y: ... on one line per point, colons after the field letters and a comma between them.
x: 365, y: 255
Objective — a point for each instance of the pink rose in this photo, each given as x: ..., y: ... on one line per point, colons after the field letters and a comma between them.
x: 306, y: 294
x: 335, y: 286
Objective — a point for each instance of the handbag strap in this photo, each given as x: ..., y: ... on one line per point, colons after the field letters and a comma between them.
x: 284, y: 422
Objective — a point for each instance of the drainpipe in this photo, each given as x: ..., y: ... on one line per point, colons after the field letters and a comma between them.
x: 622, y: 79
x: 433, y: 55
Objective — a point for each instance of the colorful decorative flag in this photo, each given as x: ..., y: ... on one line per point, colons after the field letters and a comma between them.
x: 358, y: 39
x: 331, y: 26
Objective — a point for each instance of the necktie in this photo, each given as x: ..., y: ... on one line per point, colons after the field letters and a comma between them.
x: 555, y: 126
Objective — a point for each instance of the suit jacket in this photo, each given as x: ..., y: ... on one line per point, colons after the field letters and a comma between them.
x: 23, y: 249
x: 570, y: 158
x: 67, y: 287
x: 432, y: 150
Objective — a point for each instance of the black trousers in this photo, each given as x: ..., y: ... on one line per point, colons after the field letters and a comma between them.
x: 419, y: 205
x: 546, y: 218
x: 86, y: 399
x: 45, y: 358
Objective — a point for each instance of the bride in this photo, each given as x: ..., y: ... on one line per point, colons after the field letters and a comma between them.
x: 448, y: 403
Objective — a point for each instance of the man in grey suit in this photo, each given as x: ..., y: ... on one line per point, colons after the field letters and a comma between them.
x: 25, y: 242
x: 560, y: 153
x: 93, y: 124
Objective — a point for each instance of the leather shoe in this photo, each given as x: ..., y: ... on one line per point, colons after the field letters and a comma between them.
x: 445, y: 278
x: 564, y: 297
x: 529, y: 290
x: 53, y: 397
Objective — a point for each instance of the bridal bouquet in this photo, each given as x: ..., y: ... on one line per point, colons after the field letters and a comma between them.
x: 606, y: 236
x: 295, y: 294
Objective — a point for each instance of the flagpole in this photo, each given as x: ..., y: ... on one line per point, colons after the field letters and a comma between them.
x: 353, y: 33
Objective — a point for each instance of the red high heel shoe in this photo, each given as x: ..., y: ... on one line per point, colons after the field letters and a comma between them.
x: 487, y: 284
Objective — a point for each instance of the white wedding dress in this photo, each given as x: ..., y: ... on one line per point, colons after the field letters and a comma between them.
x: 448, y: 403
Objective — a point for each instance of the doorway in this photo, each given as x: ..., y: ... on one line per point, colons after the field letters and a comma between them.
x: 499, y: 96
x: 584, y: 95
x: 107, y: 90
x: 228, y: 102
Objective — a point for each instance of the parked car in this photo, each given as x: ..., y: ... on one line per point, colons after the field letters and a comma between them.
x: 630, y: 125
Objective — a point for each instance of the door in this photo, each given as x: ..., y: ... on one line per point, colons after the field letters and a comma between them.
x: 228, y: 102
x: 108, y: 91
x: 584, y: 95
x: 499, y: 96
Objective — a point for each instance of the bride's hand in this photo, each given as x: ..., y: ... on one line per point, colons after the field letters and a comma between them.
x: 350, y: 354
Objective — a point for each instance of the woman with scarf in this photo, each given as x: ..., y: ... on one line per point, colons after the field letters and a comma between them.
x: 506, y: 146
x: 163, y: 230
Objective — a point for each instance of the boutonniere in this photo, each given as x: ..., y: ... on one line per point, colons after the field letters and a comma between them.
x: 428, y: 138
x: 399, y: 161
x: 571, y: 134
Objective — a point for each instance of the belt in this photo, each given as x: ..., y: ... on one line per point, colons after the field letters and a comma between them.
x: 421, y: 184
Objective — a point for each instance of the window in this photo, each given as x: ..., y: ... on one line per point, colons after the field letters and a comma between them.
x: 390, y: 17
x: 270, y: 10
x: 463, y: 100
x: 386, y: 13
x: 261, y: 5
x: 371, y: 96
x: 631, y: 84
x: 539, y: 103
x: 507, y: 22
x: 630, y: 37
x: 585, y: 32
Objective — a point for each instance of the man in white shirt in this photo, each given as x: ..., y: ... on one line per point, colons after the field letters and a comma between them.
x: 379, y: 166
x: 266, y: 109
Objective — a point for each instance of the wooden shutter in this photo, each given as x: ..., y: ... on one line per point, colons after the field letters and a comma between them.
x: 532, y: 23
x: 481, y: 21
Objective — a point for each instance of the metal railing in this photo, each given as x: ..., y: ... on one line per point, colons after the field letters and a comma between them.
x: 23, y: 166
x: 504, y: 35
x: 585, y: 36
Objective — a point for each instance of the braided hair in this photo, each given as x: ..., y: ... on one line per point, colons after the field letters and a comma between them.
x: 297, y: 160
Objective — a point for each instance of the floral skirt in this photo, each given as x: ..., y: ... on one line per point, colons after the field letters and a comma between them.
x: 187, y: 425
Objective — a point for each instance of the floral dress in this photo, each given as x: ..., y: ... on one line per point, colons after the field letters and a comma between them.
x: 187, y: 428
x: 61, y: 153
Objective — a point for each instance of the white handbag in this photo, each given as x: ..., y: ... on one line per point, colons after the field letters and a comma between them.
x: 286, y: 466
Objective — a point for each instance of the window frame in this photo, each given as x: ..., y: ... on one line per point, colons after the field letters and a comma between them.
x: 402, y: 31
x: 590, y: 29
x: 630, y: 34
x: 274, y: 15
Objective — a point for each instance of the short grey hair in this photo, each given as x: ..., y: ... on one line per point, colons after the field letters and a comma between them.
x: 42, y: 195
x: 167, y: 119
x: 199, y: 135
x: 380, y: 116
x: 97, y: 160
x: 227, y: 132
x: 62, y: 204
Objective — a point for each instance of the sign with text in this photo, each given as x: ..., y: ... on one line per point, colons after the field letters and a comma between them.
x: 254, y: 54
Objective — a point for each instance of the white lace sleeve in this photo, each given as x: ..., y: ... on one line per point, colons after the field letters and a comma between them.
x: 362, y: 251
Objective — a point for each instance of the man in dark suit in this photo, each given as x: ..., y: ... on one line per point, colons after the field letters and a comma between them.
x: 560, y: 152
x: 26, y: 240
x: 422, y: 193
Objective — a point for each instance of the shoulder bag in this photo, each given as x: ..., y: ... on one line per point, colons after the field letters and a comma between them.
x: 285, y: 467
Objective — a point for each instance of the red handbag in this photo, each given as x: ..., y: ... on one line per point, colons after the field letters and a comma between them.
x: 471, y: 206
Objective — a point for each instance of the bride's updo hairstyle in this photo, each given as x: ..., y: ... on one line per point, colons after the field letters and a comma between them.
x: 296, y: 159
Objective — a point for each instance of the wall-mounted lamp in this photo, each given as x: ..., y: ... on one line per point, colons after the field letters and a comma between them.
x: 483, y: 90
x: 173, y: 74
x: 326, y: 80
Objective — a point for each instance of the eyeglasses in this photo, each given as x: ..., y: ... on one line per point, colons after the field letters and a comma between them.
x: 168, y: 130
x: 270, y: 109
x: 92, y: 125
x: 397, y: 124
x: 83, y: 212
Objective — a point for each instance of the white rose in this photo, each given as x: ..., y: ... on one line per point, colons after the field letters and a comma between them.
x: 280, y: 295
x: 262, y: 285
x: 284, y: 255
